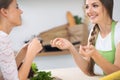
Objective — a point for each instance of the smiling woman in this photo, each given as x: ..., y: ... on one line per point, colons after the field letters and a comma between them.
x: 103, y: 45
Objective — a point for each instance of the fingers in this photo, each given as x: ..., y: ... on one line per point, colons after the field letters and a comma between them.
x: 35, y: 45
x: 61, y: 43
x: 86, y: 50
x: 56, y: 42
x: 82, y: 51
x: 25, y: 45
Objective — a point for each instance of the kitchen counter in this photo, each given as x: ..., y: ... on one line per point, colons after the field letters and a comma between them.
x: 71, y: 74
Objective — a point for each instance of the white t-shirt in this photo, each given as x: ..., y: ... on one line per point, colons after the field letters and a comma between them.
x: 105, y: 44
x: 8, y: 67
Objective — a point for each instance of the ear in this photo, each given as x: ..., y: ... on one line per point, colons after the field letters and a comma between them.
x: 3, y: 11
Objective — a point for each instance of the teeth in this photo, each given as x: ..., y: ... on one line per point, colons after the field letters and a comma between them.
x: 92, y: 17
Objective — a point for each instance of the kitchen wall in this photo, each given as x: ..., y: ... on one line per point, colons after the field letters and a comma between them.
x: 41, y: 15
x: 116, y: 13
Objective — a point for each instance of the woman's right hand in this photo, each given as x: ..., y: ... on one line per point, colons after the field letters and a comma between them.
x: 34, y: 47
x: 61, y: 43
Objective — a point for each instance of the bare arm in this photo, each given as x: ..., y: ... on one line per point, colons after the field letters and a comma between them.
x: 108, y: 67
x: 80, y: 61
x: 21, y: 55
x: 33, y: 48
x: 65, y: 44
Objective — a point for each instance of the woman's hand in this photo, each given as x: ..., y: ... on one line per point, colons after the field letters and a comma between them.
x: 87, y: 51
x: 34, y: 47
x: 61, y: 43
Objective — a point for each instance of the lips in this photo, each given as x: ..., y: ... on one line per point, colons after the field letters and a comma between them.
x: 92, y: 17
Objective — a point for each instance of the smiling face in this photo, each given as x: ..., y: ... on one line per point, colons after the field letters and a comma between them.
x: 95, y: 11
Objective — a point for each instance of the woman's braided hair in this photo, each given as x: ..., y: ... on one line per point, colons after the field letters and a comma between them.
x: 94, y: 34
x: 92, y: 41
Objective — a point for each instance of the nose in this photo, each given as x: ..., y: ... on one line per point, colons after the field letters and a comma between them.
x: 21, y: 11
x: 89, y: 10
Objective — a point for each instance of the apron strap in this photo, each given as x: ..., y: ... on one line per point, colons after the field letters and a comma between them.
x: 112, y: 34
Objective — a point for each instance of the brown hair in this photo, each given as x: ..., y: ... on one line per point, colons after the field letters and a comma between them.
x: 5, y: 3
x: 92, y: 41
x: 108, y: 4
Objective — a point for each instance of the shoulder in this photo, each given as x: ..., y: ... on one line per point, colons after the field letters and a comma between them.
x: 4, y: 41
x: 3, y: 37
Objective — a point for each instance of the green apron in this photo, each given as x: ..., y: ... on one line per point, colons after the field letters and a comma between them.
x: 110, y: 55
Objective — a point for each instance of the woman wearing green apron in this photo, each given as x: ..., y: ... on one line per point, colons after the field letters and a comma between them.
x: 109, y: 55
x: 103, y: 46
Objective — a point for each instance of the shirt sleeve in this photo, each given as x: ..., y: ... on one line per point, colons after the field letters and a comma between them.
x: 7, y: 60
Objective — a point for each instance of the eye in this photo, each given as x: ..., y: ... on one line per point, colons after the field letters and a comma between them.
x: 17, y: 7
x: 86, y: 6
x: 95, y: 6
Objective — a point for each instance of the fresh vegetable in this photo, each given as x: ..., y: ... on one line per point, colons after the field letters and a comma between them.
x: 78, y: 20
x: 70, y: 18
x: 42, y: 75
x: 34, y: 68
x: 39, y: 75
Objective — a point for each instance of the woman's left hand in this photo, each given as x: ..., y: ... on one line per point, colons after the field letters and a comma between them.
x: 87, y: 51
